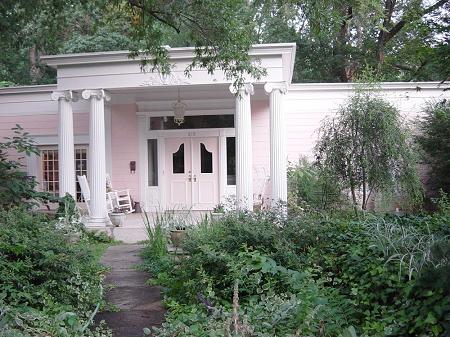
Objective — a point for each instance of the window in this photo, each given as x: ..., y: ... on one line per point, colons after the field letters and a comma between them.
x: 50, y: 173
x: 178, y: 160
x: 50, y: 169
x: 152, y: 147
x: 206, y: 161
x: 193, y: 122
x: 231, y: 161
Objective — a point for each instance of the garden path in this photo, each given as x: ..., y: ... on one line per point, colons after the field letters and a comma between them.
x: 139, y: 305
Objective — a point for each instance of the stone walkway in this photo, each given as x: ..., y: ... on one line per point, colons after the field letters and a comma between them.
x: 139, y: 305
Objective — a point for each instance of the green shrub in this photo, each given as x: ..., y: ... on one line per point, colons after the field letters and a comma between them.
x: 250, y: 249
x: 387, y: 296
x: 48, y: 285
x: 16, y: 188
x: 309, y: 188
x: 435, y: 141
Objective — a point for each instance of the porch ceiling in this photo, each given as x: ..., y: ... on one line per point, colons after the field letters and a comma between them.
x: 151, y: 95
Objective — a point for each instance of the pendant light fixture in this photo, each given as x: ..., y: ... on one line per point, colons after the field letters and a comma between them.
x: 179, y: 110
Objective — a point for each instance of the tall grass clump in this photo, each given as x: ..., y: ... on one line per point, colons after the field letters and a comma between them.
x: 156, y: 233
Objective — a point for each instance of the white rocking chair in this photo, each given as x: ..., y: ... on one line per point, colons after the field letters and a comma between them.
x: 120, y: 198
x: 86, y: 193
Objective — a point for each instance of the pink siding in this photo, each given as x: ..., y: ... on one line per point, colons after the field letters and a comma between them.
x: 124, y: 148
x: 305, y: 109
x: 41, y: 125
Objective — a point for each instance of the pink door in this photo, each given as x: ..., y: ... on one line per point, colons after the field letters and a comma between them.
x: 205, y: 170
x: 178, y: 172
x: 192, y: 171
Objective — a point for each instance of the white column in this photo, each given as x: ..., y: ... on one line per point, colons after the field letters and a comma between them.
x: 66, y: 151
x: 278, y: 157
x: 97, y: 156
x: 244, y: 162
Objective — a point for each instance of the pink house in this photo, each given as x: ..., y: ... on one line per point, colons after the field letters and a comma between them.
x: 178, y: 141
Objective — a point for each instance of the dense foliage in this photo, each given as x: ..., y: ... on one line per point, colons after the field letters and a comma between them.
x: 310, y: 275
x: 434, y: 139
x: 366, y: 148
x: 312, y: 187
x: 49, y: 276
x: 401, y: 40
x: 16, y: 188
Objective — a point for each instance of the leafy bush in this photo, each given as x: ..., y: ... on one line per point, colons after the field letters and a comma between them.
x: 274, y: 298
x: 367, y: 149
x: 387, y: 298
x: 435, y: 141
x: 309, y: 274
x: 309, y: 188
x: 48, y: 284
x: 16, y: 188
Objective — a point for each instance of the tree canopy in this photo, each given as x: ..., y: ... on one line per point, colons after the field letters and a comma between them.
x: 400, y: 39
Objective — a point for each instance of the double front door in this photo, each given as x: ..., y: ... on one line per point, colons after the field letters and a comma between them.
x: 192, y: 172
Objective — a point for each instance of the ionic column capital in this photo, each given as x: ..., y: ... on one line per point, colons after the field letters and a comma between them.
x: 247, y: 89
x: 67, y: 95
x: 269, y: 87
x: 96, y: 93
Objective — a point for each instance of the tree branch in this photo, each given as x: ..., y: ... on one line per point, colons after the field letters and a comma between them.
x: 389, y: 35
x: 137, y: 4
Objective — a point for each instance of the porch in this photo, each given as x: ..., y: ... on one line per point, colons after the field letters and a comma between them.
x: 174, y: 141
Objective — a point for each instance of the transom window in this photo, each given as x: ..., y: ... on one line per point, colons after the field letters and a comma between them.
x: 50, y: 169
x: 192, y: 122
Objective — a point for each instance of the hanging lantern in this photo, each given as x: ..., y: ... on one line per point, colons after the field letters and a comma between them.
x: 179, y: 110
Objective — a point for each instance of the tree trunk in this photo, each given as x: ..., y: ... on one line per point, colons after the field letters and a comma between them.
x: 35, y: 73
x: 352, y: 187
x: 364, y: 203
x: 344, y: 71
x: 381, y: 41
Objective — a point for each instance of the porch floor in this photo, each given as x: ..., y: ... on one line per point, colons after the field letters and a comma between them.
x: 134, y: 231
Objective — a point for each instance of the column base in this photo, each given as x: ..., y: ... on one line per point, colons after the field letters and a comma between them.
x: 100, y: 225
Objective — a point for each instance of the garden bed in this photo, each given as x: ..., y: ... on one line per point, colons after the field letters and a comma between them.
x: 311, y: 275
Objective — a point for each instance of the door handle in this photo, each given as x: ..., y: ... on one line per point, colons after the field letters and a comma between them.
x: 195, y: 178
x: 190, y: 178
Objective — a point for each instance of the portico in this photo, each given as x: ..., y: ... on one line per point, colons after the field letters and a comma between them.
x: 212, y: 156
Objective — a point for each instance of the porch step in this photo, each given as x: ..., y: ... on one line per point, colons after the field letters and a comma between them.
x: 130, y: 234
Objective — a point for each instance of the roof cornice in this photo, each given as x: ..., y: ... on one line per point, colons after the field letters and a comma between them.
x: 43, y: 88
x: 174, y: 54
x: 382, y: 85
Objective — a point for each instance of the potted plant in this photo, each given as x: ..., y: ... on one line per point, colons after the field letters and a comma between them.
x: 117, y: 217
x: 218, y: 212
x: 177, y: 234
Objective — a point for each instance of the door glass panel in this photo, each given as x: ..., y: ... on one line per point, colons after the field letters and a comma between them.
x: 178, y: 160
x: 152, y: 147
x: 205, y: 159
x: 231, y: 161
